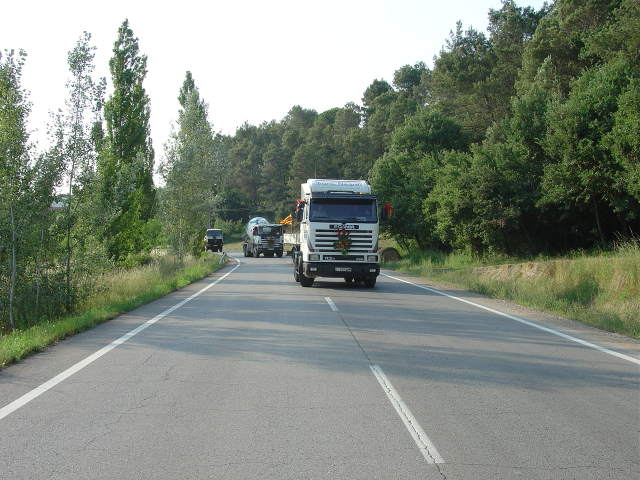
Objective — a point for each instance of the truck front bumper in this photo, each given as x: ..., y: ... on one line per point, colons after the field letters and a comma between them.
x: 265, y: 248
x: 340, y: 270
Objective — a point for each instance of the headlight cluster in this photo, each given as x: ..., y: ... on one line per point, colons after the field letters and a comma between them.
x: 314, y: 257
x: 372, y: 258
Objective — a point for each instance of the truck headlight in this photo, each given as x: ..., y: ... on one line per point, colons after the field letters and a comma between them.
x: 372, y: 258
x: 314, y: 257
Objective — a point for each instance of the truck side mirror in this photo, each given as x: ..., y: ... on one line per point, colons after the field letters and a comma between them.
x: 299, y: 213
x: 386, y: 212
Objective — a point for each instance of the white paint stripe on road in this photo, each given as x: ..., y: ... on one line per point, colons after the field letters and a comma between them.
x: 36, y: 392
x: 331, y: 304
x: 424, y: 443
x: 525, y: 322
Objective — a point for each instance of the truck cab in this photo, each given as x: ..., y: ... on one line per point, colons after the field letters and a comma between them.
x: 213, y: 240
x: 338, y: 234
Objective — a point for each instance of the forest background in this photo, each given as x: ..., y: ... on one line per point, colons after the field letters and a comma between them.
x: 522, y: 141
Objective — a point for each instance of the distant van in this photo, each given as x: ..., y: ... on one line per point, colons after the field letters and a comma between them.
x: 213, y: 240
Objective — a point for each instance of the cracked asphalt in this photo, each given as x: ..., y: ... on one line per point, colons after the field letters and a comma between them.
x: 257, y: 378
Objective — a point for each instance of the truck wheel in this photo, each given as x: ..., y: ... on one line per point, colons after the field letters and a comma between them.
x: 279, y: 254
x: 349, y: 280
x: 370, y: 282
x: 306, y: 281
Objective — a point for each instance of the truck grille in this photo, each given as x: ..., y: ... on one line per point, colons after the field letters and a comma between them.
x: 351, y: 258
x: 270, y: 244
x: 361, y: 241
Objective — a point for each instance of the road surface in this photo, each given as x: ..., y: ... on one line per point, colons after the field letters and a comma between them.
x: 248, y: 375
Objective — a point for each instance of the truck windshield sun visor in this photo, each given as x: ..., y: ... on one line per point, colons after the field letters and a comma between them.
x: 343, y: 210
x: 270, y: 230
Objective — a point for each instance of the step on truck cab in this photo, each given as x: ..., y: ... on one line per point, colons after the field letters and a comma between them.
x: 338, y: 232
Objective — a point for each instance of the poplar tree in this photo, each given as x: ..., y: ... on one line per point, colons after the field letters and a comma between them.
x: 191, y: 173
x: 126, y: 160
x: 75, y: 150
x: 14, y: 172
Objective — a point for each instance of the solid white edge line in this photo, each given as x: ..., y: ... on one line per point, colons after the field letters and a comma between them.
x: 331, y: 304
x: 525, y: 322
x: 422, y: 440
x: 36, y: 392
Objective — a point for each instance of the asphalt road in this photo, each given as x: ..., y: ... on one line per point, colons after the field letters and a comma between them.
x: 259, y: 378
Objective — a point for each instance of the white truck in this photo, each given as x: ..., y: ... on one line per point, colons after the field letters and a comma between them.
x: 338, y: 232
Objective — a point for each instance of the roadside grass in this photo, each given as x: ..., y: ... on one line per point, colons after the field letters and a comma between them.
x: 385, y: 241
x: 117, y: 292
x: 598, y: 289
x: 233, y: 246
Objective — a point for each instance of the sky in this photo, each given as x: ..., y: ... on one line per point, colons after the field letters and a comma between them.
x: 252, y: 60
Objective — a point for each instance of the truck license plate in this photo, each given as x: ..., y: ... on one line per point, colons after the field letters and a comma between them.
x: 343, y: 269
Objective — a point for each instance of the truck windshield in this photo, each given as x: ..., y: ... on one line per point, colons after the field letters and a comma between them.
x: 343, y: 210
x: 273, y: 230
x: 214, y: 234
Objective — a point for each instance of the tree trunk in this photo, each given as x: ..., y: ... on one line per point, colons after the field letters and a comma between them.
x: 597, y: 213
x: 68, y: 267
x: 69, y: 221
x: 38, y: 274
x: 12, y: 285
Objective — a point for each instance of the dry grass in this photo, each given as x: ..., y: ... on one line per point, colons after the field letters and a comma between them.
x: 114, y: 293
x: 233, y: 246
x: 601, y: 290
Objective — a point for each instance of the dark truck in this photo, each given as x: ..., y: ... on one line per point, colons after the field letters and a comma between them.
x: 213, y: 240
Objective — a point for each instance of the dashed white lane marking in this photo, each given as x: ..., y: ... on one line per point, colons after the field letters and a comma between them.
x: 422, y: 440
x: 331, y: 304
x: 424, y: 443
x: 49, y: 384
x: 525, y: 322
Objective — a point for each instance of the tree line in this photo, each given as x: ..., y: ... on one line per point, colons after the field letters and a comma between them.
x: 519, y: 141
